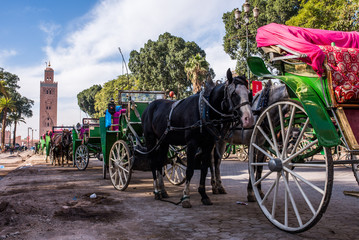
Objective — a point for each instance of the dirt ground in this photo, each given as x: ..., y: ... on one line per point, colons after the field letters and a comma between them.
x: 40, y: 201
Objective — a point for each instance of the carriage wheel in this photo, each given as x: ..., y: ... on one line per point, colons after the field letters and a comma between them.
x: 355, y: 168
x: 120, y: 165
x: 242, y: 153
x: 175, y: 170
x: 82, y: 157
x: 292, y: 192
x: 342, y: 154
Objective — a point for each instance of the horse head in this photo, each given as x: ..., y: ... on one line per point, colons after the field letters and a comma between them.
x: 66, y: 138
x: 237, y: 99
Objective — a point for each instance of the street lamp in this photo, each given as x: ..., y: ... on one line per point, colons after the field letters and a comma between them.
x: 28, y: 136
x: 237, y: 16
x: 32, y: 137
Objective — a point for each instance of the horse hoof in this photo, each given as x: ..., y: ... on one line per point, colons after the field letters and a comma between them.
x: 251, y: 198
x: 222, y: 191
x: 207, y: 201
x: 186, y: 204
x: 158, y: 196
x: 164, y: 194
x: 215, y: 191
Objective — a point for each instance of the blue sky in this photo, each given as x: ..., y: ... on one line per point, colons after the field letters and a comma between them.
x: 81, y: 39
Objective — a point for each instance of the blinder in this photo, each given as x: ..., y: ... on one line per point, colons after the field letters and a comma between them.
x: 230, y: 89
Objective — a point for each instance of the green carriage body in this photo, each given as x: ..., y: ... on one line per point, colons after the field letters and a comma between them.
x: 91, y: 140
x: 309, y: 91
x: 129, y: 127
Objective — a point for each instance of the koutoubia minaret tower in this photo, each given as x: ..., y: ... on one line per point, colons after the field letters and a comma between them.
x: 48, y: 101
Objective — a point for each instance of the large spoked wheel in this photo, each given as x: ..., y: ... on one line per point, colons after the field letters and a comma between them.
x: 355, y: 168
x: 175, y: 170
x: 292, y: 192
x: 82, y: 157
x: 120, y: 165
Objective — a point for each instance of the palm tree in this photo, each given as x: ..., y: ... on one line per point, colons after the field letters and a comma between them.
x: 16, y: 118
x: 196, y: 69
x: 6, y: 104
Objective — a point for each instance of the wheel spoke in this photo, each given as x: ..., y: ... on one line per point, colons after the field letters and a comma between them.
x: 288, y: 134
x: 292, y: 200
x: 300, y: 136
x: 274, y: 205
x: 300, y: 151
x: 304, y: 180
x: 266, y: 137
x: 304, y: 195
x: 275, y: 144
x: 262, y: 150
x: 262, y: 178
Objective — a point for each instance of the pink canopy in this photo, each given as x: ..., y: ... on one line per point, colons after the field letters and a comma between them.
x: 305, y: 40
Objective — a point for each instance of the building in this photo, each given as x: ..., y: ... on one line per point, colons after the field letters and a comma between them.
x: 48, y: 101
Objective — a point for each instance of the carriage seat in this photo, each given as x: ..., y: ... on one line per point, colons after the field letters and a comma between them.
x: 84, y: 130
x: 116, y: 119
x: 343, y: 64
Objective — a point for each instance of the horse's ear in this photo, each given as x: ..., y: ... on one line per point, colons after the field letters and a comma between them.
x: 208, y: 86
x: 229, y: 76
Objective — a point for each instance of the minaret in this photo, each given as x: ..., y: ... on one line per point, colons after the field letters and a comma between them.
x: 48, y: 101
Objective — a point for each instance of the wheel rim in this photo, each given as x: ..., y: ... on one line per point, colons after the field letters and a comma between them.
x: 290, y: 200
x: 355, y: 168
x: 120, y: 165
x: 175, y: 169
x: 82, y: 157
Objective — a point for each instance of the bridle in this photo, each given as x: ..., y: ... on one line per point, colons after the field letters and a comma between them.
x: 230, y: 92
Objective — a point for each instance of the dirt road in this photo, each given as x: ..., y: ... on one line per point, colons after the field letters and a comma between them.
x: 40, y: 201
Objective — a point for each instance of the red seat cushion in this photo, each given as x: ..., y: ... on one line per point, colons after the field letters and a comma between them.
x: 344, y: 67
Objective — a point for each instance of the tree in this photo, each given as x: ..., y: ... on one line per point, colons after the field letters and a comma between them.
x: 110, y: 90
x: 234, y: 41
x: 338, y: 15
x: 159, y: 65
x: 196, y: 69
x: 15, y: 118
x: 23, y: 107
x: 86, y: 99
x: 6, y: 105
x: 12, y: 101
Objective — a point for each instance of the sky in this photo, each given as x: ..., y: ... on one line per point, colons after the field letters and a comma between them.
x: 81, y: 40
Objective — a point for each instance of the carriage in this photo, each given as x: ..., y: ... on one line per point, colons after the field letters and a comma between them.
x: 86, y: 142
x: 320, y: 69
x: 122, y: 141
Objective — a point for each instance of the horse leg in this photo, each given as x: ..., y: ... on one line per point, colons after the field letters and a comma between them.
x: 162, y: 157
x: 204, y: 170
x: 191, y: 153
x: 218, y: 159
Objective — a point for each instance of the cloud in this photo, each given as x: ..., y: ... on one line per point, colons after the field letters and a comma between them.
x: 4, y: 54
x: 86, y: 53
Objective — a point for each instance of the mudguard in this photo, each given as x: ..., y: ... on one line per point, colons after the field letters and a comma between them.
x: 313, y: 104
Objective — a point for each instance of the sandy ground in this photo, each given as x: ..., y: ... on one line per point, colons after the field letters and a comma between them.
x: 40, y: 201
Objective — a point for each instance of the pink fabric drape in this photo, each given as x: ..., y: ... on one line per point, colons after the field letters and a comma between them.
x: 305, y: 40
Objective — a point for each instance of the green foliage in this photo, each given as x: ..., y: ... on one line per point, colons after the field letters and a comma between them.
x: 196, y: 69
x: 234, y: 41
x: 338, y: 15
x: 12, y: 102
x: 86, y: 99
x: 159, y: 65
x: 110, y: 90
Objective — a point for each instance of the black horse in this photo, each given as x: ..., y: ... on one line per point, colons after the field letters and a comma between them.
x: 196, y: 122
